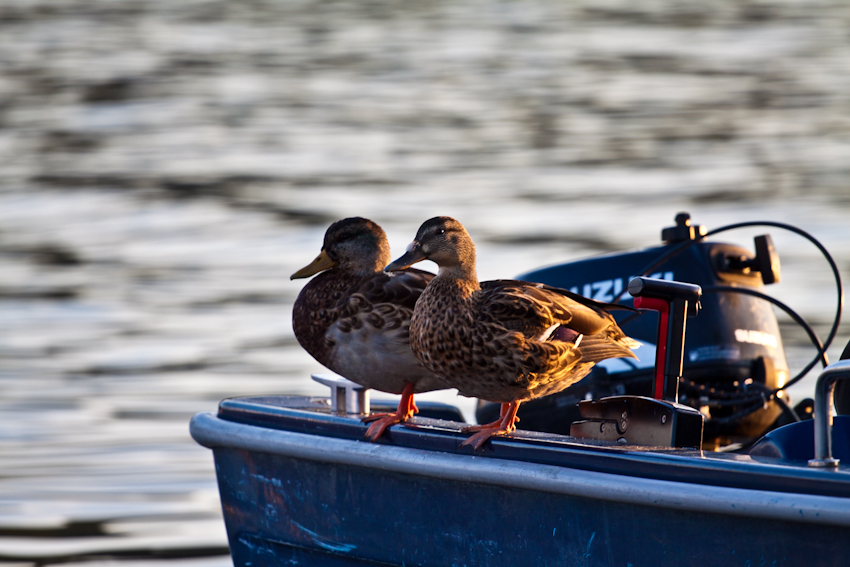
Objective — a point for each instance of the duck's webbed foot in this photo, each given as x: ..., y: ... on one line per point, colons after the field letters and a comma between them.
x: 507, y: 424
x: 381, y: 421
x: 493, y: 424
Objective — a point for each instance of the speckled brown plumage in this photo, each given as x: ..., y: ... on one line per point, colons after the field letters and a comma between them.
x: 486, y: 342
x: 354, y: 318
x: 504, y: 341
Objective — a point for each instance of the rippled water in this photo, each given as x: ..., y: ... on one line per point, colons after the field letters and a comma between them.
x: 164, y: 167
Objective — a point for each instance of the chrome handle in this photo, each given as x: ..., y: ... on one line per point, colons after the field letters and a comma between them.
x: 823, y: 412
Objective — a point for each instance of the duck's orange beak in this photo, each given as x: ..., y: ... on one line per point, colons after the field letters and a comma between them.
x: 320, y: 264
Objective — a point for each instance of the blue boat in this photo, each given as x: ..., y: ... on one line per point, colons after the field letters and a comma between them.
x: 629, y: 483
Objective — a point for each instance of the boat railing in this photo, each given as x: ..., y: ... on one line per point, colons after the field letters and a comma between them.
x: 824, y: 390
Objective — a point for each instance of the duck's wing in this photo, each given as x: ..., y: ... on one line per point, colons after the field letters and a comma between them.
x: 381, y: 300
x: 578, y: 298
x: 369, y: 340
x: 401, y: 288
x: 537, y: 310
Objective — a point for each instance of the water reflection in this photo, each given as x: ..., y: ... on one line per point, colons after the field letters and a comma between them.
x: 165, y: 168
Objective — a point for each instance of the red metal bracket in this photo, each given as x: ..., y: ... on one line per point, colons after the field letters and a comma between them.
x: 663, y: 309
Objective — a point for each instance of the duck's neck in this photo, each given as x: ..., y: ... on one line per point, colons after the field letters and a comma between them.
x: 463, y: 277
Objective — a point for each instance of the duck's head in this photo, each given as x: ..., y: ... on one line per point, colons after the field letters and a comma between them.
x: 444, y: 241
x: 355, y: 244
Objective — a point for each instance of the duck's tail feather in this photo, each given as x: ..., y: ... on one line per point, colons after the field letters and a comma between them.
x: 628, y: 342
x: 595, y: 348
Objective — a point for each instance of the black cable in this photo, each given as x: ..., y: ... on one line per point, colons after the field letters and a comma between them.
x: 840, y: 299
x: 821, y: 356
x: 785, y: 408
x: 757, y: 401
x: 782, y: 403
x: 737, y: 416
x: 733, y: 402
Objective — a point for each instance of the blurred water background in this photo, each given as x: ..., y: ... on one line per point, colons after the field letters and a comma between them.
x: 165, y: 166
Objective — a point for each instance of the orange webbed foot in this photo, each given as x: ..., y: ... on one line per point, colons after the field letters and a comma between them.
x: 381, y: 421
x: 507, y: 424
x: 493, y: 424
x: 476, y: 428
x: 477, y: 440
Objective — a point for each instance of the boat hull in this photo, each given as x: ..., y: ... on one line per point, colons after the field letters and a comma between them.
x: 297, y: 498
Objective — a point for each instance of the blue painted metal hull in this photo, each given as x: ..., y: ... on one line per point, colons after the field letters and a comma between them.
x: 341, y: 515
x: 300, y: 488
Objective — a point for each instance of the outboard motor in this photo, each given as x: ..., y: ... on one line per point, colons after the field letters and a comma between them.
x: 733, y: 352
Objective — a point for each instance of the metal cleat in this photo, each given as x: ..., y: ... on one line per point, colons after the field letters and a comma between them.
x: 346, y: 396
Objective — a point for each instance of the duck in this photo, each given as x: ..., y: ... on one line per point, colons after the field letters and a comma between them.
x: 354, y: 318
x: 505, y: 341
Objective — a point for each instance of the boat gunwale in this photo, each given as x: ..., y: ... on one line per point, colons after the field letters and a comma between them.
x: 311, y: 415
x: 215, y: 432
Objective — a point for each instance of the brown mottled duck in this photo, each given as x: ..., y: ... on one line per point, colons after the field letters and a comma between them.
x: 354, y: 318
x: 504, y: 341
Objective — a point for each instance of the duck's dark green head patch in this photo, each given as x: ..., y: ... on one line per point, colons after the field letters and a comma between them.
x: 357, y: 244
x: 353, y: 228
